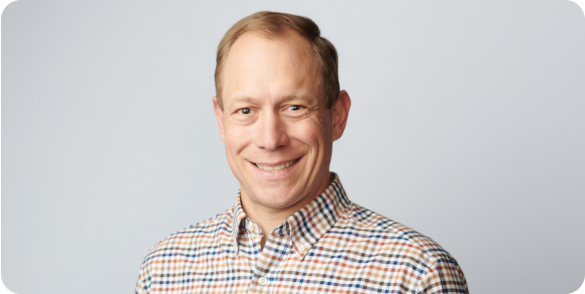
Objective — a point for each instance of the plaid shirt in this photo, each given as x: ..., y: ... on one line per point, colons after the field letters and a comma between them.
x: 331, y: 245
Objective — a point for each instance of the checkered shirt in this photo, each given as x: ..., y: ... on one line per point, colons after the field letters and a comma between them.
x: 331, y: 245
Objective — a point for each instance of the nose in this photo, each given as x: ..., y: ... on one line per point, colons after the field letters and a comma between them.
x: 271, y: 132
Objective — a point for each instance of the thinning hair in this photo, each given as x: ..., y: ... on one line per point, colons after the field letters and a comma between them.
x: 277, y: 25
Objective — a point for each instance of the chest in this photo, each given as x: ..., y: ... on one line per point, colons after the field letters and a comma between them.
x: 328, y: 266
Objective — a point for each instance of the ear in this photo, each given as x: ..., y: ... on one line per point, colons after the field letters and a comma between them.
x: 339, y: 113
x: 219, y: 115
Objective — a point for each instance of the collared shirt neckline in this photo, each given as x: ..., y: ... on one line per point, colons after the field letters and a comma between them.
x: 306, y: 226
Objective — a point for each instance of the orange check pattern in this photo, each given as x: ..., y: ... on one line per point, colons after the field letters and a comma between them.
x: 330, y: 246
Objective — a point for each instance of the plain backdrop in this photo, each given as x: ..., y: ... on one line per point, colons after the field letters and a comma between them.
x: 467, y: 125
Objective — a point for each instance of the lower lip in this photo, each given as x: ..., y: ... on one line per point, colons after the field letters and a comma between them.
x: 277, y: 175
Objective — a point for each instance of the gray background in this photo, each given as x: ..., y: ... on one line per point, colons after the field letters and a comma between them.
x: 467, y: 124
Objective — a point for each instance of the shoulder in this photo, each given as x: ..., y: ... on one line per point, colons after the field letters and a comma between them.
x: 188, y: 239
x: 405, y: 250
x: 185, y: 246
x: 392, y: 234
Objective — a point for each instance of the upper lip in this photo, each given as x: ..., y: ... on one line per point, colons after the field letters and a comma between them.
x: 274, y: 163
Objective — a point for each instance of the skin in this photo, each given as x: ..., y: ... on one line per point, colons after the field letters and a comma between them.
x: 274, y: 113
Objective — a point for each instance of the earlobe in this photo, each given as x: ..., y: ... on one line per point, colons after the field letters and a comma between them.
x: 339, y: 113
x: 219, y: 116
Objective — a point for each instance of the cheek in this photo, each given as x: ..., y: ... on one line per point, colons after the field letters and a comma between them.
x: 237, y: 138
x: 310, y: 132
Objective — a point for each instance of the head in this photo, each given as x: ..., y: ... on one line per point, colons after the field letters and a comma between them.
x: 279, y: 108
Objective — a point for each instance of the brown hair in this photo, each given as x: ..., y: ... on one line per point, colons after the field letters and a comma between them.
x: 274, y: 24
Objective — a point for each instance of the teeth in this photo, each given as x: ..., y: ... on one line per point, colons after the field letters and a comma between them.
x: 277, y: 168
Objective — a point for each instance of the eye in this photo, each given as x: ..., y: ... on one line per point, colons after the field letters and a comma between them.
x: 244, y: 111
x: 295, y: 111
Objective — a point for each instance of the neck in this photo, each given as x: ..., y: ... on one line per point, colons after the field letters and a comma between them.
x: 268, y: 218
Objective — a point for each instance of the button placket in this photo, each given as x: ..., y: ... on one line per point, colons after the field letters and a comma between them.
x: 273, y: 256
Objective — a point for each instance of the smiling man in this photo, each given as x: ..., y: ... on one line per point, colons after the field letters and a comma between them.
x: 292, y: 229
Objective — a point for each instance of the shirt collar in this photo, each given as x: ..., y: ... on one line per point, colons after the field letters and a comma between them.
x: 310, y: 223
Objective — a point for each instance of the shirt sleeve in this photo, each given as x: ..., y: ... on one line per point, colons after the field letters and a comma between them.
x: 444, y: 276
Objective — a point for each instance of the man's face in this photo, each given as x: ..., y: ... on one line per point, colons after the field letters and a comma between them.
x: 277, y: 132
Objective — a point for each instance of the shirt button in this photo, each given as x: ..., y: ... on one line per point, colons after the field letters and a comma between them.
x: 262, y: 281
x: 301, y: 248
x: 250, y: 227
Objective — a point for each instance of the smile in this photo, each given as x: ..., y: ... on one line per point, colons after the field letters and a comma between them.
x: 277, y: 168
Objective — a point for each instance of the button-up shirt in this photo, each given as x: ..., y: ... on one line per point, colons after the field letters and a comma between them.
x: 331, y: 245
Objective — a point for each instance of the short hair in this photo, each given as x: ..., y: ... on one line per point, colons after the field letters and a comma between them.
x: 277, y: 25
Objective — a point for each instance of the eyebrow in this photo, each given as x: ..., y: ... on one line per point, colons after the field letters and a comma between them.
x: 247, y: 99
x: 244, y: 99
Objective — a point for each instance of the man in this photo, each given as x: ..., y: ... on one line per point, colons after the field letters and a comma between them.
x: 292, y: 228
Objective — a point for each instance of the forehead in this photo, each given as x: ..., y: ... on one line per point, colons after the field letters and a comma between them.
x: 254, y: 49
x: 257, y: 66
